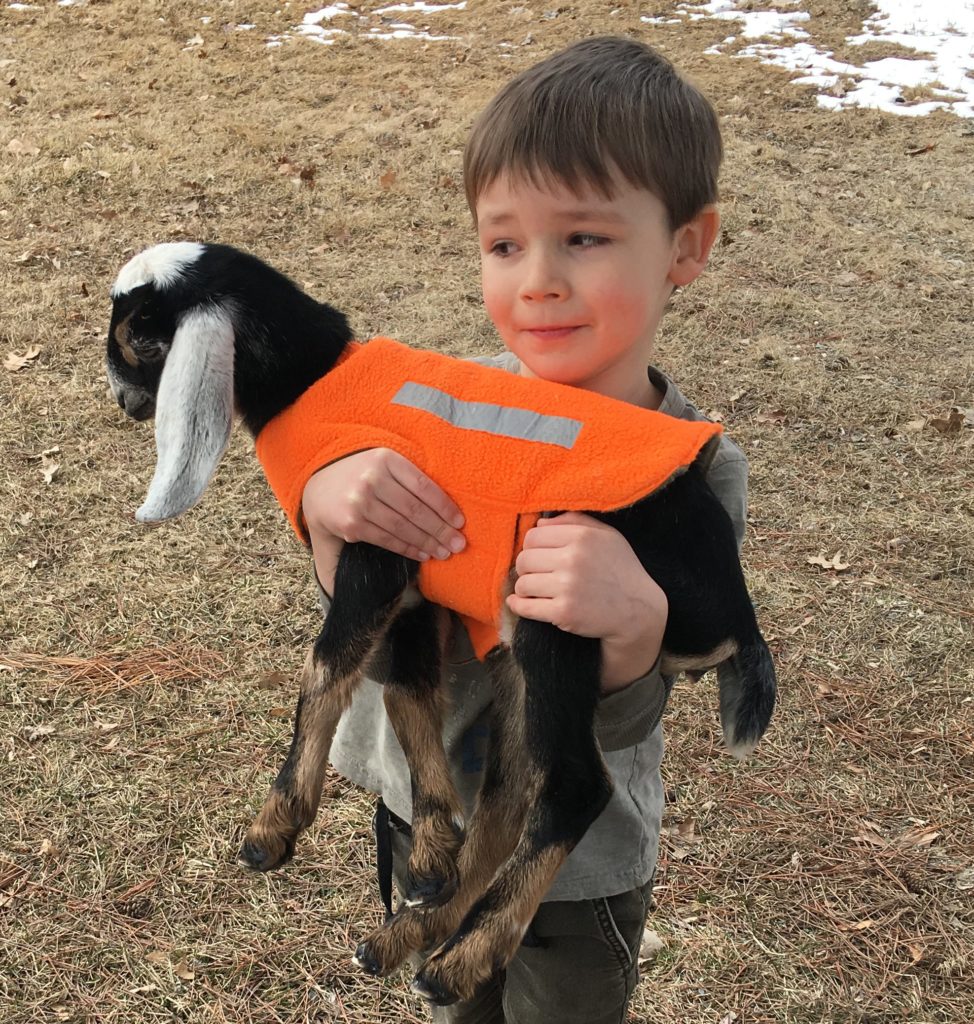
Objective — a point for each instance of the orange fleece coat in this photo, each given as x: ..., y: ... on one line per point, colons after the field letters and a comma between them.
x: 504, y: 447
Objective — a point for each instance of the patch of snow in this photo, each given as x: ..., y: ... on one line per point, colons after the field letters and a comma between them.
x: 944, y: 30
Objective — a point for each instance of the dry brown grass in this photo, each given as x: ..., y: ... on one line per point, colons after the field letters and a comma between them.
x: 828, y: 879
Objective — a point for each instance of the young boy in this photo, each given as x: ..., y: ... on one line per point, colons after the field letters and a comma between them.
x: 592, y: 181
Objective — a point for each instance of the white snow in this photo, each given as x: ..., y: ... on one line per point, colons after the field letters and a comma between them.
x: 941, y: 32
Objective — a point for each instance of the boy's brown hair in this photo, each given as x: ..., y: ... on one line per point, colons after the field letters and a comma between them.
x: 604, y: 106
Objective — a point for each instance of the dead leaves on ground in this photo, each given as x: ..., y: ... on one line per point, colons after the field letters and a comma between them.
x: 22, y: 148
x: 951, y: 424
x: 17, y: 361
x: 299, y: 175
x: 834, y: 563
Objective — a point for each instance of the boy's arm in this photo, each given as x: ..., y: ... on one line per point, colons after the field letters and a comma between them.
x: 628, y: 716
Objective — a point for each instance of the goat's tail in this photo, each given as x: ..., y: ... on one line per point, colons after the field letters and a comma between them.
x: 747, y: 695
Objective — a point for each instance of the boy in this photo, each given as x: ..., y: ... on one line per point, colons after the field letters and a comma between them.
x: 592, y: 180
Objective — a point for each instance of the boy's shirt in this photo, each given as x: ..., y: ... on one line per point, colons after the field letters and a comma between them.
x: 618, y: 853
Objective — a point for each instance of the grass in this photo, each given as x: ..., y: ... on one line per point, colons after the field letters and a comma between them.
x: 141, y: 713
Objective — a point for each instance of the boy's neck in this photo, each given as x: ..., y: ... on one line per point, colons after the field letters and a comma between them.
x: 638, y: 390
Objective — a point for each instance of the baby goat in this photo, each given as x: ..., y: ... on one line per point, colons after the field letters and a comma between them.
x: 200, y: 333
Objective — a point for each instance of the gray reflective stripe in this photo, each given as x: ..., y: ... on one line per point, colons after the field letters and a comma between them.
x: 503, y: 420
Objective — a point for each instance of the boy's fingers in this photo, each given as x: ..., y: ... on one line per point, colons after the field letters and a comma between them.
x: 538, y: 584
x: 387, y: 521
x: 406, y: 515
x: 539, y: 609
x: 428, y: 493
x: 390, y: 542
x: 537, y: 560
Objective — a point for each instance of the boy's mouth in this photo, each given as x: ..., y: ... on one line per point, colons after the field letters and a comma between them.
x: 552, y: 333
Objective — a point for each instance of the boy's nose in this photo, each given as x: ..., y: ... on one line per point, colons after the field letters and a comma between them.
x: 543, y: 279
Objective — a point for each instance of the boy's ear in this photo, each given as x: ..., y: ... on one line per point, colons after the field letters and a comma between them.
x: 694, y: 240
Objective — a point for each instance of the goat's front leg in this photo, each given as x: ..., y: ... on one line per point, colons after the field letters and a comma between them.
x: 369, y: 585
x: 415, y: 702
x: 492, y: 834
x: 566, y: 771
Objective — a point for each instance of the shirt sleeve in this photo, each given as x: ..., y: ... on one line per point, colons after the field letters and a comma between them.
x: 626, y: 717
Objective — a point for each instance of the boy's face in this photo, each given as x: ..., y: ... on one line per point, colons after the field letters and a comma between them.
x: 576, y: 285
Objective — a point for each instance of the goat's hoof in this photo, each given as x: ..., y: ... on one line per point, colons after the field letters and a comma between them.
x: 258, y: 857
x: 365, y: 960
x: 431, y: 891
x: 432, y: 990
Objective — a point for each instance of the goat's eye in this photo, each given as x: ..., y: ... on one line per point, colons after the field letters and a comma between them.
x: 145, y: 313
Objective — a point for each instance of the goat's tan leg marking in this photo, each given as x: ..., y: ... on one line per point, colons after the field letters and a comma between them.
x: 331, y: 673
x: 494, y: 828
x: 572, y: 785
x: 437, y: 825
x: 489, y: 936
x: 293, y: 801
x: 673, y: 664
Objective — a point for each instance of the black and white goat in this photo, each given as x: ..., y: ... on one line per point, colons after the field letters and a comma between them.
x: 202, y: 332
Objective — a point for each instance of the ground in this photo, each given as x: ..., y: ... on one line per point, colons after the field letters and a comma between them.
x: 146, y: 674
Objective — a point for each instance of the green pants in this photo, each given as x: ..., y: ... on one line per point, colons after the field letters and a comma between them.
x: 581, y: 967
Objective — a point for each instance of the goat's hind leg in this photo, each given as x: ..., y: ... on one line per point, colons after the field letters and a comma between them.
x: 685, y: 540
x: 369, y: 585
x: 415, y: 702
x: 493, y: 830
x: 572, y: 787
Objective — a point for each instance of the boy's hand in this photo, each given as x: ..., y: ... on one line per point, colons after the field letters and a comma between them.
x: 581, y: 575
x: 380, y: 497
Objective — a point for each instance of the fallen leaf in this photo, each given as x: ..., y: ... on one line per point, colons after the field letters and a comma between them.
x: 157, y: 956
x: 272, y: 681
x: 388, y: 179
x: 778, y: 418
x: 18, y: 147
x: 835, y: 562
x: 49, y: 468
x: 792, y: 630
x: 928, y: 148
x: 965, y: 880
x: 859, y: 926
x: 37, y: 731
x: 955, y: 420
x: 103, y: 115
x: 279, y: 712
x: 920, y: 837
x: 14, y: 361
x: 650, y: 945
x: 182, y: 971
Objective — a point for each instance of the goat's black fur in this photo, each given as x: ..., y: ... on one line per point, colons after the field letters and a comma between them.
x: 282, y: 342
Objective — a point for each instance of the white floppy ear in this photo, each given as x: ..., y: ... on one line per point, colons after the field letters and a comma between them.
x: 194, y: 413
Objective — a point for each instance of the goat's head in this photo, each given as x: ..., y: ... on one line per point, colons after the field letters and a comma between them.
x: 170, y: 354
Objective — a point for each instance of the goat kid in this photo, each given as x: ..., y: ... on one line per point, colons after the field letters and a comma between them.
x: 202, y: 332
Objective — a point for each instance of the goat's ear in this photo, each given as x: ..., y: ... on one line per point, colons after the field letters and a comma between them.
x: 194, y: 413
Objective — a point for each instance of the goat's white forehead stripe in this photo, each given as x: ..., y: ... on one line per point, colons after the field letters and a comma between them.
x: 160, y: 265
x: 501, y: 420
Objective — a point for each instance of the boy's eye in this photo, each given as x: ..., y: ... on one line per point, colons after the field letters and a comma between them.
x: 502, y: 248
x: 586, y: 240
